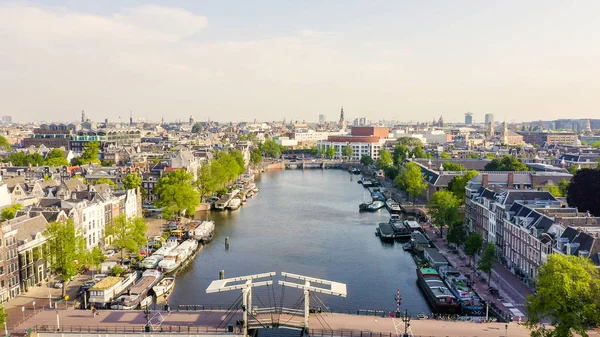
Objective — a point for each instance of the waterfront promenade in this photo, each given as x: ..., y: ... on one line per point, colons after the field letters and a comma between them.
x: 207, y: 321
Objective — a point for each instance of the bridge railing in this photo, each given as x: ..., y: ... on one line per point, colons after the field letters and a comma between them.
x: 352, y: 333
x: 130, y: 329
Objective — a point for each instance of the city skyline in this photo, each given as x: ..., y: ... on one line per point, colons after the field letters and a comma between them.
x: 231, y: 61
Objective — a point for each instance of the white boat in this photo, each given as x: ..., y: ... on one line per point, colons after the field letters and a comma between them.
x: 146, y: 302
x: 234, y: 204
x: 105, y: 291
x: 375, y: 205
x: 164, y: 287
x: 252, y: 187
x: 393, y: 206
x: 177, y: 256
x: 203, y: 231
x: 139, y: 291
x: 150, y: 262
x: 222, y: 203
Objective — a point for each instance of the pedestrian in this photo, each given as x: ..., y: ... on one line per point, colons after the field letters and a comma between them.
x: 93, y: 311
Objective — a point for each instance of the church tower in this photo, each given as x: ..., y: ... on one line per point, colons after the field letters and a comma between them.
x: 490, y: 130
x: 342, y: 119
x: 441, y: 122
x: 504, y: 133
x: 82, y: 116
x: 130, y: 119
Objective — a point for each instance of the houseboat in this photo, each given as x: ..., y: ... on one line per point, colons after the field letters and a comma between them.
x: 413, y: 226
x: 437, y: 293
x: 234, y: 204
x: 164, y: 287
x: 470, y: 303
x: 222, y: 203
x: 392, y: 206
x: 177, y: 256
x: 364, y: 207
x: 109, y: 288
x: 202, y: 230
x: 375, y: 206
x: 138, y: 292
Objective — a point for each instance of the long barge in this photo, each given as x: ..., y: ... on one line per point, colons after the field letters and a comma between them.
x: 436, y: 292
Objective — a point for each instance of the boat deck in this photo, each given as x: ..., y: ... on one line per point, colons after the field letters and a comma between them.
x: 386, y: 230
x: 143, y: 285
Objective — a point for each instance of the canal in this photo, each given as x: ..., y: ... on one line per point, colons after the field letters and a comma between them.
x: 307, y: 223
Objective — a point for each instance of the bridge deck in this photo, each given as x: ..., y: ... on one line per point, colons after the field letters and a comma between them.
x: 209, y: 320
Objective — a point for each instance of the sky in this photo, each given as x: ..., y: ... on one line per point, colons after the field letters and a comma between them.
x: 269, y: 60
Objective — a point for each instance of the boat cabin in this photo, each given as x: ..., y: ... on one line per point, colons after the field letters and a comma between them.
x: 109, y: 288
x: 435, y: 259
x: 413, y: 226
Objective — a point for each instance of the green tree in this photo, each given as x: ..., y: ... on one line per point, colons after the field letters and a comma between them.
x: 473, y: 155
x: 66, y: 246
x: 506, y: 163
x: 127, y: 233
x: 567, y: 295
x: 347, y: 152
x: 116, y: 271
x: 410, y: 179
x: 230, y: 165
x: 385, y: 159
x: 366, y: 160
x: 410, y: 141
x: 10, y: 212
x: 18, y: 159
x: 443, y: 209
x: 399, y: 153
x: 35, y: 159
x: 56, y: 157
x: 418, y: 152
x: 486, y: 262
x: 3, y: 316
x: 96, y: 257
x: 456, y: 233
x: 90, y: 154
x: 239, y: 158
x: 450, y: 166
x: 197, y: 128
x: 573, y: 169
x: 330, y: 152
x: 256, y: 157
x: 106, y: 181
x: 271, y: 149
x: 132, y: 181
x: 457, y: 185
x: 595, y: 144
x: 4, y: 144
x: 445, y: 155
x: 473, y: 245
x: 176, y: 194
x: 206, y: 182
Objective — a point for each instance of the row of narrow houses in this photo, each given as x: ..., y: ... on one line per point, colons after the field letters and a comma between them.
x: 527, y: 223
x: 22, y: 240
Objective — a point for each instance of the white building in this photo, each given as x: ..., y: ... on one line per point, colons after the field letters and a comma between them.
x: 359, y: 146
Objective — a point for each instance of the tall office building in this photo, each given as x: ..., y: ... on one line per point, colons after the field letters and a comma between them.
x: 489, y: 118
x: 468, y: 118
x: 7, y: 119
x: 322, y: 119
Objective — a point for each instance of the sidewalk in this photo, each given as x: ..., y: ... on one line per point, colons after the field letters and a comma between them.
x: 510, y: 288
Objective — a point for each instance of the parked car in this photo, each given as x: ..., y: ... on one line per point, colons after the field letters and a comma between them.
x: 86, y: 286
x: 99, y: 277
x: 58, y: 285
x: 109, y: 253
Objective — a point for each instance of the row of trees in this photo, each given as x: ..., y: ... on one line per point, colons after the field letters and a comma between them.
x: 55, y: 157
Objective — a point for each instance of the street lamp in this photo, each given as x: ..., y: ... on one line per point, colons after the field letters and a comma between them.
x: 505, y: 330
x: 406, y: 320
x: 147, y: 316
x: 57, y: 321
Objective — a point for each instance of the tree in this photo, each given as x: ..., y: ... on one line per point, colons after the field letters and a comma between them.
x: 410, y: 179
x: 409, y: 141
x: 96, y: 258
x: 197, y: 128
x: 567, y: 295
x: 132, y: 181
x: 56, y: 157
x: 35, y: 159
x: 127, y: 233
x: 457, y: 185
x: 595, y: 144
x: 256, y: 157
x: 445, y: 155
x: 4, y: 144
x: 573, y: 169
x: 506, y: 163
x: 450, y: 166
x: 399, y: 153
x: 239, y: 158
x: 443, y: 209
x: 456, y: 233
x: 206, y: 182
x: 473, y: 245
x: 486, y: 263
x: 3, y: 316
x: 473, y: 155
x: 385, y: 159
x: 10, y: 212
x: 271, y: 149
x: 65, y: 247
x: 18, y: 159
x: 90, y: 154
x: 418, y: 152
x: 176, y: 194
x: 106, y: 181
x: 366, y: 160
x: 584, y: 191
x: 347, y: 151
x: 330, y: 153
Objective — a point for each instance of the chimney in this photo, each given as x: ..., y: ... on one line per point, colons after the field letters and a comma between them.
x: 511, y: 179
x: 484, y: 180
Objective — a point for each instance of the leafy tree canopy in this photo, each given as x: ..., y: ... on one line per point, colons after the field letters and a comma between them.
x: 4, y: 144
x: 584, y: 191
x: 90, y: 154
x: 56, y: 157
x: 197, y: 127
x: 445, y: 155
x: 506, y: 163
x: 410, y: 141
x: 450, y: 166
x: 418, y: 152
x: 366, y: 160
x: 105, y: 181
x: 473, y: 155
x: 568, y: 295
x: 22, y: 159
x: 457, y: 185
x: 330, y: 152
x: 399, y: 153
x: 595, y: 144
x: 127, y: 233
x: 410, y: 179
x: 347, y: 151
x: 456, y: 233
x: 473, y: 244
x: 385, y: 159
x: 176, y: 194
x: 256, y: 157
x: 10, y: 212
x: 271, y: 149
x: 486, y: 263
x: 443, y: 209
x: 131, y: 181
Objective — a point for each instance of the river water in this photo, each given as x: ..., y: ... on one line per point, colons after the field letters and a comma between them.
x: 307, y: 223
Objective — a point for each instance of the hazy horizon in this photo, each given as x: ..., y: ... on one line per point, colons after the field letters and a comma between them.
x: 270, y: 60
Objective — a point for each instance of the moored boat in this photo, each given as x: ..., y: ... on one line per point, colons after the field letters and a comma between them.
x: 164, y: 287
x: 202, y: 230
x: 470, y: 303
x: 234, y: 204
x: 437, y: 293
x: 138, y: 292
x: 375, y: 205
x: 177, y: 256
x: 393, y: 206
